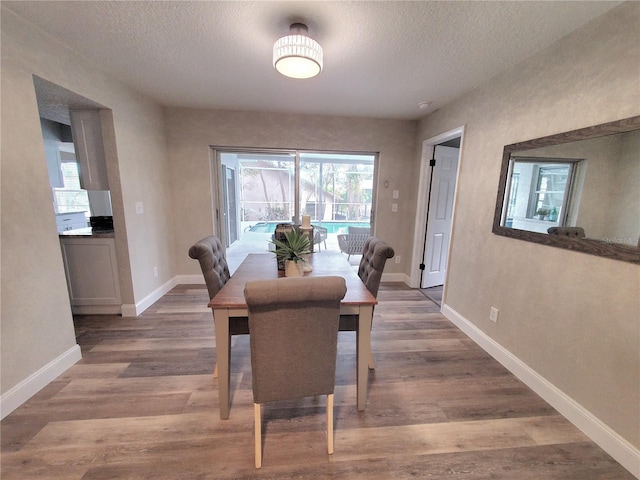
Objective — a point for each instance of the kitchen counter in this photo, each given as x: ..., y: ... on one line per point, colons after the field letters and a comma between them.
x: 87, y: 232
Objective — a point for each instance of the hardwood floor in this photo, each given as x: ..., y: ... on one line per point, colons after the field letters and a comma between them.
x: 142, y: 404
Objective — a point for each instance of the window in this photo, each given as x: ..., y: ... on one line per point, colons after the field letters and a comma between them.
x: 70, y: 198
x: 540, y: 193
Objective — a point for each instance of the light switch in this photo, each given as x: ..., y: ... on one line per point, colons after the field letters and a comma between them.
x: 396, y: 194
x: 139, y: 208
x: 394, y: 207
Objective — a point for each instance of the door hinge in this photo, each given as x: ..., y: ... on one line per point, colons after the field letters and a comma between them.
x: 432, y: 162
x: 422, y: 266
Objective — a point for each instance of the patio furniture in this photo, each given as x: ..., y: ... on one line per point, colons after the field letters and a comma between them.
x: 319, y: 235
x: 353, y: 242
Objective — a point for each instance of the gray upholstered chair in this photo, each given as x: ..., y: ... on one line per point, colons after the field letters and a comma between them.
x: 210, y: 253
x: 294, y: 337
x: 572, y: 232
x: 353, y: 242
x: 375, y: 254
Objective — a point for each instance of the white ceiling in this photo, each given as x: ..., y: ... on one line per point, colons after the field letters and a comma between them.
x: 381, y: 59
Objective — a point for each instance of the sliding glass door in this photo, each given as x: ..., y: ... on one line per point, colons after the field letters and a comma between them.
x: 257, y: 189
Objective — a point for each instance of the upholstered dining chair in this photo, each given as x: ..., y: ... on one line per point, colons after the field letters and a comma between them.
x: 210, y: 253
x: 294, y: 341
x: 571, y: 232
x: 375, y: 254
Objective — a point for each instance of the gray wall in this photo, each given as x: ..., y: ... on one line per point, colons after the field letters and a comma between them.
x: 37, y: 326
x: 192, y: 132
x: 571, y: 317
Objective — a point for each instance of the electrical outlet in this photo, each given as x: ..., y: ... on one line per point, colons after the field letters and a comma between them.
x: 139, y: 208
x: 394, y: 207
x: 397, y: 258
x: 155, y: 272
x: 493, y: 314
x: 396, y: 194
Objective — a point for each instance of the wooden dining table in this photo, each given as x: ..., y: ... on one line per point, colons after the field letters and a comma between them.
x: 229, y: 302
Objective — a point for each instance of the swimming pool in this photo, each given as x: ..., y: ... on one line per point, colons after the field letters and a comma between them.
x: 332, y: 227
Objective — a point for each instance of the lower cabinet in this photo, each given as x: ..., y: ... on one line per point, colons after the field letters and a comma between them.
x: 92, y: 275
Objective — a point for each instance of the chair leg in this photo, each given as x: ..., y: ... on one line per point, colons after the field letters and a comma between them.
x: 258, y: 434
x: 330, y: 423
x: 372, y: 365
x: 215, y: 371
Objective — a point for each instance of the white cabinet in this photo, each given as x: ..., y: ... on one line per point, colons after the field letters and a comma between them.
x: 88, y: 139
x: 92, y: 274
x: 70, y: 221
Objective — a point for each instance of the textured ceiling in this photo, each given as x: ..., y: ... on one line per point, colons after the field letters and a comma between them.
x: 381, y: 59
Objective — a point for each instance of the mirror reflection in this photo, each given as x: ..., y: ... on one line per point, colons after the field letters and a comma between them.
x: 582, y: 185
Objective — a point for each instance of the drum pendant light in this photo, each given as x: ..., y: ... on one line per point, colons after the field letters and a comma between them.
x: 297, y: 55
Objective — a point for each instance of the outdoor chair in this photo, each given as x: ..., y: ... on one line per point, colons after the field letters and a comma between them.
x: 353, y: 242
x: 319, y: 235
x: 294, y: 342
x: 210, y: 253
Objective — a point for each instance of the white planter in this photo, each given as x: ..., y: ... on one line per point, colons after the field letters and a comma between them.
x: 293, y: 269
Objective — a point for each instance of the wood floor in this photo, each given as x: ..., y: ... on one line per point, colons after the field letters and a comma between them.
x: 142, y: 404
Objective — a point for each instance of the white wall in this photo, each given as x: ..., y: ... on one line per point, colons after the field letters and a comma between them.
x: 37, y: 329
x: 570, y: 317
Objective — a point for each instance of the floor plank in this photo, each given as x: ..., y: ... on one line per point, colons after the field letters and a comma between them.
x: 143, y: 404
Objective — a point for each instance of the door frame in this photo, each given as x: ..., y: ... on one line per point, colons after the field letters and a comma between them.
x: 423, y: 198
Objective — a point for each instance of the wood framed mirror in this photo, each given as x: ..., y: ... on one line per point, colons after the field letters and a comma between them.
x: 577, y: 190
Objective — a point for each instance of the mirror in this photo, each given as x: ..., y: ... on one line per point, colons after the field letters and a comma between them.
x: 578, y: 190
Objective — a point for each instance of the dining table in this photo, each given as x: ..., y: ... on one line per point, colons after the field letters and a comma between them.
x: 229, y: 302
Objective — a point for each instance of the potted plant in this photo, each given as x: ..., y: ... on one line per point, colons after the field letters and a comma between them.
x: 293, y: 251
x: 542, y: 212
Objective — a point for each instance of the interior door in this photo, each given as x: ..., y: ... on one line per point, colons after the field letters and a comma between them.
x: 443, y: 188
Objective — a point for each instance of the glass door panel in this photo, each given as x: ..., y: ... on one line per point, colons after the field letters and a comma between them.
x: 263, y: 188
x: 336, y: 189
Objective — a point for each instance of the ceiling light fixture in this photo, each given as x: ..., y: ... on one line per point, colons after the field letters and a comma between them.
x: 297, y: 55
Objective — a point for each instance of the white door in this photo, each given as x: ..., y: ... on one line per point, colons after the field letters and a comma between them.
x: 443, y: 187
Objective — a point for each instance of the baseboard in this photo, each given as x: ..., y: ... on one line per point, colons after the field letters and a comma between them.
x: 612, y: 443
x: 35, y: 382
x: 395, y: 277
x: 133, y: 310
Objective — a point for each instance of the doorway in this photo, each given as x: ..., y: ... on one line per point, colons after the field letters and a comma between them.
x: 435, y: 212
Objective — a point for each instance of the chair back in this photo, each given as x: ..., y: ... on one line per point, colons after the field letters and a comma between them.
x: 574, y: 232
x: 293, y: 324
x: 374, y: 256
x: 210, y: 253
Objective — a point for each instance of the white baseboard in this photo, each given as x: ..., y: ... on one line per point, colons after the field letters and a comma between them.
x: 395, y: 277
x: 612, y: 443
x: 35, y: 382
x: 133, y: 310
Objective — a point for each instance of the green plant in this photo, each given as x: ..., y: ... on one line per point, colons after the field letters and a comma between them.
x: 295, y: 246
